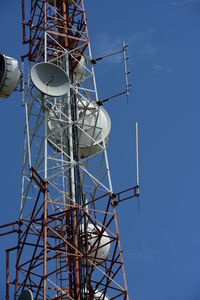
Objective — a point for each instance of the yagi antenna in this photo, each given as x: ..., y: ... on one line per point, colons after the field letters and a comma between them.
x: 125, y: 59
x: 126, y: 69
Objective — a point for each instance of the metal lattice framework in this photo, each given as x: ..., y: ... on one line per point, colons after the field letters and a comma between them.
x: 68, y: 238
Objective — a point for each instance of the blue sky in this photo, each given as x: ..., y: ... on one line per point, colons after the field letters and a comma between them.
x: 161, y: 242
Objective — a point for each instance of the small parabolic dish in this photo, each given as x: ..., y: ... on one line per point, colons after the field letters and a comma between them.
x: 97, y: 249
x: 80, y: 70
x: 26, y: 295
x: 94, y: 127
x: 50, y: 79
x: 9, y: 75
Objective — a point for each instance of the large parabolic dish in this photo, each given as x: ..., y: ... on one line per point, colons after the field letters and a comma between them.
x: 93, y: 124
x: 97, y: 246
x: 50, y: 79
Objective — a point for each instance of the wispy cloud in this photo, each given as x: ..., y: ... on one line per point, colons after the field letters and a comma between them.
x: 142, y: 44
x: 106, y: 44
x: 142, y: 48
x: 161, y: 68
x: 146, y: 51
x: 184, y: 2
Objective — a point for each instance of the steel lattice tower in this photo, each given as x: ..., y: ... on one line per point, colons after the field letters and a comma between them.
x: 68, y: 238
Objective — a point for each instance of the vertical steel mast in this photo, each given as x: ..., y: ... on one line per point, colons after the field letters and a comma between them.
x: 68, y: 238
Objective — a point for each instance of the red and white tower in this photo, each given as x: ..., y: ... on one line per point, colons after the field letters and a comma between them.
x: 68, y: 239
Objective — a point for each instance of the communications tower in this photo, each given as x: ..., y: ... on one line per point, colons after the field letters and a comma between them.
x: 68, y: 240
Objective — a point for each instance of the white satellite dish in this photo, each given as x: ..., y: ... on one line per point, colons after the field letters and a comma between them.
x: 98, y: 250
x: 100, y: 296
x: 94, y: 127
x: 26, y: 295
x: 9, y: 75
x: 50, y: 79
x: 97, y: 295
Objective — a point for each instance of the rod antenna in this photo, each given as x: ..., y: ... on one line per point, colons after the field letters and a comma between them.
x: 137, y: 162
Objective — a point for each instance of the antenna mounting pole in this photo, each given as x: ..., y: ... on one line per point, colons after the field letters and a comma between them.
x: 137, y: 161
